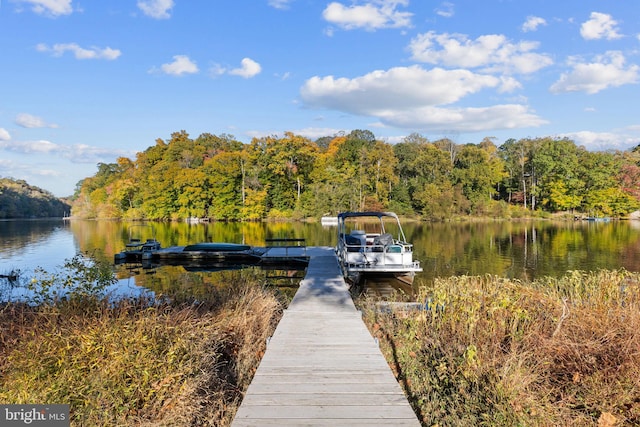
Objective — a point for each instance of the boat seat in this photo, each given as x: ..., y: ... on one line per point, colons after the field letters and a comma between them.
x: 353, y: 240
x: 382, y: 241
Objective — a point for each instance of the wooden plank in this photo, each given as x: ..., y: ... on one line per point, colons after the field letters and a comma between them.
x: 322, y: 367
x: 325, y: 399
x: 329, y: 422
x: 362, y: 412
x: 337, y: 386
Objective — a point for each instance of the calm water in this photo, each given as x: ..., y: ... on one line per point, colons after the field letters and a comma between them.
x: 522, y: 249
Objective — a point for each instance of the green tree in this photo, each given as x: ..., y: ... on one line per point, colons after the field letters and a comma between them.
x: 553, y: 161
x: 478, y: 171
x: 381, y: 162
x: 285, y: 165
x: 425, y: 176
x: 351, y: 162
x: 225, y: 171
x: 193, y: 193
x: 18, y: 199
x: 517, y: 182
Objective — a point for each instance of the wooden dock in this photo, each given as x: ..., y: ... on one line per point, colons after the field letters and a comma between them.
x: 322, y: 367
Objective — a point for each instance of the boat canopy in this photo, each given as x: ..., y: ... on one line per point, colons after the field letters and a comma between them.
x: 393, y: 218
x: 345, y: 215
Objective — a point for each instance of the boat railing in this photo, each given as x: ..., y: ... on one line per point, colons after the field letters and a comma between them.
x: 394, y: 246
x: 359, y: 255
x: 288, y: 244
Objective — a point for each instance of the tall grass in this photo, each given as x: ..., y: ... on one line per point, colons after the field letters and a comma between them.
x: 493, y: 351
x: 136, y: 363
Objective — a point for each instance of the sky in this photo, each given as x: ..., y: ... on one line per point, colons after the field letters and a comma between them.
x: 86, y: 82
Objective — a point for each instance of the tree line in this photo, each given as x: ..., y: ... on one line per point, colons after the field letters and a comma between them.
x: 220, y: 178
x: 21, y: 200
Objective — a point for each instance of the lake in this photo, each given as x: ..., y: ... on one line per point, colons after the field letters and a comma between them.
x: 513, y: 249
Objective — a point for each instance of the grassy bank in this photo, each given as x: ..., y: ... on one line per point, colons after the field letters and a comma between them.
x: 493, y: 351
x: 136, y: 363
x: 488, y: 351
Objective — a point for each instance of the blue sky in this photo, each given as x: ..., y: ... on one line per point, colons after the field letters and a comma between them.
x: 87, y: 82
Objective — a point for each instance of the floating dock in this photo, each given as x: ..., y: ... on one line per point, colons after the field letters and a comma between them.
x: 322, y: 367
x: 218, y: 255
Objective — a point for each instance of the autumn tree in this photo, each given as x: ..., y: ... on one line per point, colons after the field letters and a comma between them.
x: 285, y: 165
x: 328, y: 193
x: 221, y: 178
x: 629, y: 175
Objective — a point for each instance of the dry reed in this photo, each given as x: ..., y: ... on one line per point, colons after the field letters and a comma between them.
x: 138, y: 363
x: 493, y: 351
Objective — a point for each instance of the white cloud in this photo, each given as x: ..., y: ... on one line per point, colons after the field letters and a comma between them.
x: 4, y: 135
x: 280, y: 4
x: 400, y: 87
x: 248, y: 68
x: 532, y: 23
x: 493, y: 52
x: 600, y: 26
x: 311, y: 132
x: 158, y: 9
x: 29, y: 172
x: 507, y: 116
x: 79, y: 52
x: 315, y: 133
x: 606, y: 71
x: 284, y: 76
x: 52, y: 8
x: 32, y: 122
x: 372, y: 15
x: 83, y: 153
x: 446, y: 10
x: 412, y: 97
x: 508, y: 84
x: 216, y: 70
x: 602, y: 141
x: 76, y: 153
x: 181, y: 65
x: 30, y: 147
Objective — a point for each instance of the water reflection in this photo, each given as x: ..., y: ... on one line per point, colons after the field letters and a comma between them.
x: 194, y: 279
x: 524, y: 249
x: 514, y: 249
x: 25, y: 245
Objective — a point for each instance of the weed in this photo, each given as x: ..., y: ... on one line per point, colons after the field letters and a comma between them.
x: 504, y: 352
x: 137, y: 362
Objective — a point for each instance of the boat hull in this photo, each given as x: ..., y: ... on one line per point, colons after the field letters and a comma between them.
x: 355, y: 276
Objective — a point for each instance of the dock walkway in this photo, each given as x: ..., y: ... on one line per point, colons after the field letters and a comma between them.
x: 322, y: 367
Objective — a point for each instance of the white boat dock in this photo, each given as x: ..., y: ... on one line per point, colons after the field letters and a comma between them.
x: 322, y: 367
